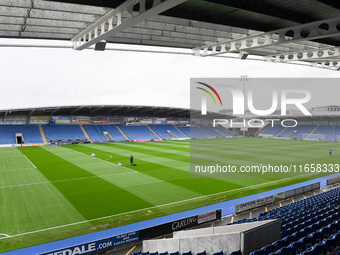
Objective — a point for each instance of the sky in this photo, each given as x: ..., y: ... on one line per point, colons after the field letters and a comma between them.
x: 43, y: 77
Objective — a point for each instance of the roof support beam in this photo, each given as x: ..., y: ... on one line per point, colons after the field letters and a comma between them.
x: 31, y: 112
x: 115, y: 21
x: 304, y: 55
x: 77, y: 109
x: 96, y: 109
x: 131, y: 109
x: 305, y: 32
x: 114, y: 109
x: 54, y: 111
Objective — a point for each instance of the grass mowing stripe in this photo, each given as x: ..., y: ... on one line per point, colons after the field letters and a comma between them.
x: 160, y: 170
x: 141, y: 156
x: 167, y: 170
x: 151, y: 146
x: 92, y: 197
x: 148, y: 208
x: 152, y: 151
x: 141, y: 185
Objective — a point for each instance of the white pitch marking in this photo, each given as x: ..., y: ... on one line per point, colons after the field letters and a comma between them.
x: 109, y: 161
x: 73, y: 179
x: 6, y: 236
x: 15, y: 169
x: 148, y: 208
x: 30, y: 161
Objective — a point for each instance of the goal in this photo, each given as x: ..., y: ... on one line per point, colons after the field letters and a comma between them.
x: 314, y: 137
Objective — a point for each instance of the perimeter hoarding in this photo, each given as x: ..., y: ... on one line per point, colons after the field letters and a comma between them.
x: 101, y: 245
x: 97, y: 246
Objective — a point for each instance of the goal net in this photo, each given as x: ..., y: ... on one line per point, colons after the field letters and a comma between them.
x: 314, y: 137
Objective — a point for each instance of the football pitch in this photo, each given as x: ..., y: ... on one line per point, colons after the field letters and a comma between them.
x: 50, y: 193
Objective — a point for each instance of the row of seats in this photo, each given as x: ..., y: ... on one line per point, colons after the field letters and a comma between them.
x: 205, y: 132
x: 309, y: 226
x: 330, y: 133
x: 31, y: 133
x: 63, y: 132
x: 184, y: 253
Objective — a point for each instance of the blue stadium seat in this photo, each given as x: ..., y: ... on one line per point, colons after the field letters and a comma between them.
x: 236, y: 253
x: 138, y: 133
x: 165, y: 131
x: 30, y: 133
x: 307, y: 253
x: 325, y: 232
x: 317, y: 249
x: 63, y: 132
x: 137, y: 253
x: 288, y: 240
x: 336, y: 238
x: 218, y: 253
x: 297, y: 236
x: 268, y: 249
x: 202, y: 253
x: 257, y: 252
x: 279, y: 244
x: 187, y: 253
x: 113, y: 131
x: 153, y: 253
x: 296, y: 248
x: 285, y: 251
x: 174, y: 253
x: 195, y: 132
x: 94, y: 133
x: 285, y: 233
x: 164, y: 253
x: 316, y: 237
x: 329, y: 245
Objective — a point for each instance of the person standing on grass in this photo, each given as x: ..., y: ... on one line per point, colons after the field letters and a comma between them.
x: 330, y: 152
x: 131, y: 159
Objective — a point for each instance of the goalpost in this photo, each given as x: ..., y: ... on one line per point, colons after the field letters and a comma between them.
x: 314, y: 137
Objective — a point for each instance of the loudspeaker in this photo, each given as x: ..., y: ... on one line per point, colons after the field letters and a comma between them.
x: 100, y: 46
x: 243, y: 55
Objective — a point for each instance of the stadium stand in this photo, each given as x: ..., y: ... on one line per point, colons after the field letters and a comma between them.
x: 94, y: 133
x: 272, y: 130
x: 30, y: 133
x: 331, y: 132
x: 113, y: 131
x: 138, y: 132
x: 309, y: 226
x: 299, y: 130
x: 165, y: 131
x: 303, y: 130
x: 215, y: 131
x: 63, y: 132
x: 223, y: 131
x: 195, y: 132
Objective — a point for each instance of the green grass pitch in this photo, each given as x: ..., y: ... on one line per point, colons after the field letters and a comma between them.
x: 54, y: 192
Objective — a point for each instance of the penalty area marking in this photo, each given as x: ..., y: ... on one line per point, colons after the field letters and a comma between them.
x: 15, y: 169
x: 106, y: 160
x: 143, y: 209
x: 73, y: 179
x: 4, y: 235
